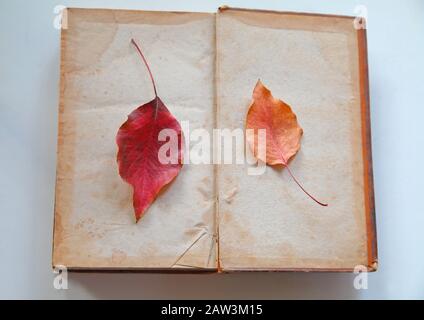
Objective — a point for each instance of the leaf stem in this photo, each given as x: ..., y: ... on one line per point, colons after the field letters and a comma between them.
x: 147, y: 65
x: 300, y: 186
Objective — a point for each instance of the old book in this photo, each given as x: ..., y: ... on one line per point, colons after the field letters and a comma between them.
x: 215, y: 217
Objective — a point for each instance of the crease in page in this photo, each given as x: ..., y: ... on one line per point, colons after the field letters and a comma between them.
x: 189, y: 247
x: 216, y: 125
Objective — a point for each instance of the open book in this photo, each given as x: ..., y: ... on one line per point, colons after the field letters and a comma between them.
x: 215, y: 217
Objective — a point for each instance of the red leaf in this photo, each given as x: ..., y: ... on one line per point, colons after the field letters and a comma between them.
x: 138, y: 150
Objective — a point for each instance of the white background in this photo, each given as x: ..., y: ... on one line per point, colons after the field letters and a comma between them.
x: 29, y: 80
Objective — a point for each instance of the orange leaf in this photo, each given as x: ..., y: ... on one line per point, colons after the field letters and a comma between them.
x: 283, y: 132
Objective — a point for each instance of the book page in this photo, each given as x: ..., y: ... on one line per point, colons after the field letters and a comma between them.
x: 311, y: 63
x: 102, y: 80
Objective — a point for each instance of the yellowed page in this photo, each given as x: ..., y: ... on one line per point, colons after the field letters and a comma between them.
x: 102, y: 81
x: 266, y: 221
